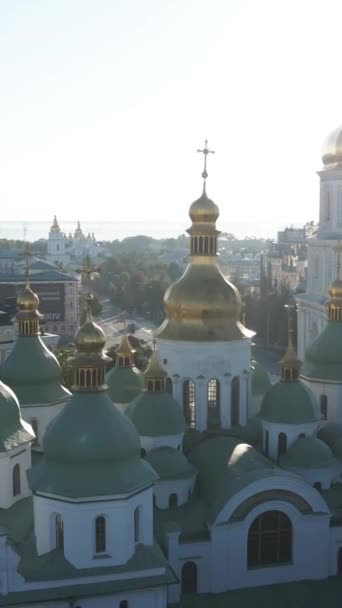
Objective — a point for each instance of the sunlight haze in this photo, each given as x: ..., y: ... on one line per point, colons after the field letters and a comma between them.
x: 104, y: 103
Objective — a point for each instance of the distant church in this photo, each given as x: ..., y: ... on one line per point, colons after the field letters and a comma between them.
x: 70, y: 249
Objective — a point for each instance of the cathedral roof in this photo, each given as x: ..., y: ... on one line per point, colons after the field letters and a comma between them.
x: 124, y: 383
x: 307, y: 452
x: 170, y: 463
x: 156, y: 414
x: 323, y: 358
x: 14, y: 431
x: 330, y: 432
x: 90, y: 448
x: 288, y: 403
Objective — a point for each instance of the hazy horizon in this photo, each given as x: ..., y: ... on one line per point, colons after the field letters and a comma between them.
x: 103, y: 105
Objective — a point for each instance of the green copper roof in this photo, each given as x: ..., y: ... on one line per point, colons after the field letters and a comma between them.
x: 260, y: 379
x: 33, y: 372
x: 330, y: 432
x: 170, y: 463
x: 288, y: 403
x: 124, y: 383
x: 155, y: 414
x: 225, y: 467
x: 90, y: 449
x: 307, y: 452
x: 14, y: 431
x: 323, y: 358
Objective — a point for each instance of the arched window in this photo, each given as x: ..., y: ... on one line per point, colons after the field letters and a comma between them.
x: 269, y: 540
x: 213, y: 403
x: 173, y: 500
x: 168, y: 385
x: 200, y: 244
x: 100, y: 534
x: 324, y: 407
x: 235, y: 402
x: 189, y: 578
x: 206, y: 245
x: 318, y: 486
x: 266, y: 442
x: 59, y: 532
x: 123, y: 604
x: 301, y: 436
x: 34, y: 424
x: 339, y: 561
x: 189, y: 405
x: 137, y: 525
x: 149, y: 385
x: 282, y: 444
x: 127, y: 361
x: 16, y: 480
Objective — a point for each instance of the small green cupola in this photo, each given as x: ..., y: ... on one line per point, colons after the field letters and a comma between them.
x: 30, y: 369
x: 323, y: 358
x: 155, y: 413
x: 90, y: 448
x: 124, y: 380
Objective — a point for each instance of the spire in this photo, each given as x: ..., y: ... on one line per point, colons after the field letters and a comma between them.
x: 290, y: 364
x: 155, y: 375
x: 204, y: 213
x: 55, y: 226
x: 27, y: 302
x: 335, y: 291
x: 124, y: 355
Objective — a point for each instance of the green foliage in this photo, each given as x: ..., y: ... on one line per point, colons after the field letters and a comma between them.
x: 142, y: 354
x: 63, y: 355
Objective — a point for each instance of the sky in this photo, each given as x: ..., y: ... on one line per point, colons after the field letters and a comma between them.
x: 103, y: 104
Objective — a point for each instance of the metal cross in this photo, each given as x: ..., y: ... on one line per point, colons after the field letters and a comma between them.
x: 205, y: 152
x: 27, y: 255
x: 88, y: 270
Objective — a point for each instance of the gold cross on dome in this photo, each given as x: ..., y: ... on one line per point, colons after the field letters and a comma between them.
x: 27, y: 255
x: 205, y: 153
x: 88, y: 271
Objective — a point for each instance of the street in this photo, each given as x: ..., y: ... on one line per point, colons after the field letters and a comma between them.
x: 112, y: 322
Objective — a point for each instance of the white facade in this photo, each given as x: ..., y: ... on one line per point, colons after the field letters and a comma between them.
x: 39, y: 416
x: 13, y: 467
x: 272, y: 430
x: 332, y: 393
x: 202, y: 362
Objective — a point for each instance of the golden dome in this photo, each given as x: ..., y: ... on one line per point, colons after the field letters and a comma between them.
x: 204, y: 210
x: 335, y: 291
x: 332, y: 148
x: 202, y: 305
x: 55, y: 226
x: 90, y: 337
x: 28, y: 301
x: 154, y: 370
x: 125, y: 349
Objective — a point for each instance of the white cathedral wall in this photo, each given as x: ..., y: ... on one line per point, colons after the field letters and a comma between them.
x: 292, y: 432
x: 322, y: 475
x: 43, y: 414
x: 8, y: 460
x: 164, y: 489
x: 203, y: 361
x: 143, y: 598
x: 79, y: 527
x: 333, y: 392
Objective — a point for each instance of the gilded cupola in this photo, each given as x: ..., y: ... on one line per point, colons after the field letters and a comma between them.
x: 332, y: 150
x: 89, y: 363
x: 203, y: 305
x: 55, y: 226
x: 28, y: 315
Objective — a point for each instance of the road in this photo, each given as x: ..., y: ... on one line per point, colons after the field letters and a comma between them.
x: 112, y: 322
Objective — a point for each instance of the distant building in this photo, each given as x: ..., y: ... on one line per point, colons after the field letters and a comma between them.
x: 72, y: 249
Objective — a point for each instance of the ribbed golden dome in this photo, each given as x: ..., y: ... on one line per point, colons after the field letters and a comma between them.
x: 332, y: 148
x: 90, y: 337
x: 204, y: 210
x: 28, y: 301
x: 125, y: 349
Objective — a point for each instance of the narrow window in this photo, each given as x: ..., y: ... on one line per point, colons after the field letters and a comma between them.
x: 123, y: 604
x: 266, y: 443
x: 173, y: 500
x: 59, y: 532
x: 189, y: 578
x: 213, y: 403
x: 16, y: 480
x: 235, y: 402
x: 137, y: 525
x: 168, y: 385
x: 100, y: 534
x: 189, y: 405
x: 324, y: 407
x: 282, y: 444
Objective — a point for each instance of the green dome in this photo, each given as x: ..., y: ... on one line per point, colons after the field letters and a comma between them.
x: 337, y: 448
x: 124, y: 383
x: 14, y: 431
x: 307, y: 452
x: 33, y: 372
x: 90, y: 449
x: 288, y: 403
x: 330, y: 432
x: 156, y: 414
x: 170, y: 463
x: 323, y: 358
x: 260, y: 379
